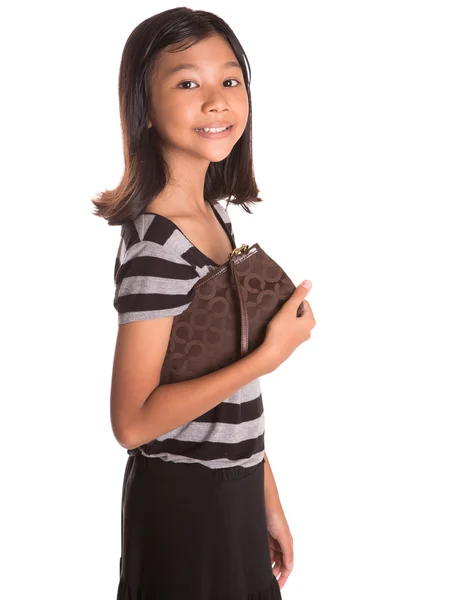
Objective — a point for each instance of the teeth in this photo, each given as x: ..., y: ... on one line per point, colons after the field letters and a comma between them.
x: 215, y: 130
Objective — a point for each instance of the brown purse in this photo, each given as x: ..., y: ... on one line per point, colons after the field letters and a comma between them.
x: 228, y: 316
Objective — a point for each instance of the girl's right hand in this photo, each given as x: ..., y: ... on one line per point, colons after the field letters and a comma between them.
x: 286, y: 331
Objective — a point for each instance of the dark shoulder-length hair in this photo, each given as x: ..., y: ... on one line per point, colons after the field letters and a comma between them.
x: 145, y: 170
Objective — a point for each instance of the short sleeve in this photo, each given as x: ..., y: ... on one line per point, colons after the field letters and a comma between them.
x: 151, y: 282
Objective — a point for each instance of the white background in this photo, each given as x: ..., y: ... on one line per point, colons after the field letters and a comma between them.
x: 355, y: 149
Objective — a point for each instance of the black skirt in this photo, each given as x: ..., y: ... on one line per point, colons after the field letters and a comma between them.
x: 193, y: 533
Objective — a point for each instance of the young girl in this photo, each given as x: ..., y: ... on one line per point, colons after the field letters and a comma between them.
x: 201, y: 514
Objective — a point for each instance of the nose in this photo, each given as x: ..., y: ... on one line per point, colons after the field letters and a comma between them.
x: 215, y: 99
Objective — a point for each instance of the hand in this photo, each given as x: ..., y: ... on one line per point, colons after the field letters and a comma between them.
x: 285, y: 331
x: 280, y: 545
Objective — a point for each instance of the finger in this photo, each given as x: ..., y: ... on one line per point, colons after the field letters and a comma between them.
x: 288, y: 556
x: 276, y: 570
x: 273, y: 548
x: 307, y: 285
x: 285, y: 565
x: 285, y: 573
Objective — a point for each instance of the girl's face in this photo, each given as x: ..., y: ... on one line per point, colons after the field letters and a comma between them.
x: 212, y: 93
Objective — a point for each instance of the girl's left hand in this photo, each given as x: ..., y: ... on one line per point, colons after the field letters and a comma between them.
x: 280, y: 545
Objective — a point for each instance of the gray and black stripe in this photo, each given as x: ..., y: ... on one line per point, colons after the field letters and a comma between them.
x: 156, y: 268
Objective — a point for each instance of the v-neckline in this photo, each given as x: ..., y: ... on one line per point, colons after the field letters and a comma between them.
x: 220, y: 220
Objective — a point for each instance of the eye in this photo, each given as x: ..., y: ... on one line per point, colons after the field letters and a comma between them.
x: 188, y: 81
x: 238, y: 82
x: 180, y: 84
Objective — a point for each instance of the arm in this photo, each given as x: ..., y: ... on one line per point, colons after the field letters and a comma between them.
x: 272, y: 497
x: 171, y: 405
x: 280, y: 538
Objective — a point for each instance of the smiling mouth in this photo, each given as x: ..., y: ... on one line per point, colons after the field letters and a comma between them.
x: 212, y: 129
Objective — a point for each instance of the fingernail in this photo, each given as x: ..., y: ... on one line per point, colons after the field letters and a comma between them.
x: 307, y: 284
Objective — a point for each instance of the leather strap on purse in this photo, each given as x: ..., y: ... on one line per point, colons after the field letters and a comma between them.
x: 244, y: 322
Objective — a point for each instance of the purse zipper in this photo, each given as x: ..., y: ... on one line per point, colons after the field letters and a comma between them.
x: 238, y: 254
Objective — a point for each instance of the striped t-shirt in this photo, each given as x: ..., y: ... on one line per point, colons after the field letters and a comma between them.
x: 156, y: 268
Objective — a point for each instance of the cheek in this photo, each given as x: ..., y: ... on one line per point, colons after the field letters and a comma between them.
x: 178, y: 115
x: 247, y: 108
x: 242, y: 109
x: 242, y: 114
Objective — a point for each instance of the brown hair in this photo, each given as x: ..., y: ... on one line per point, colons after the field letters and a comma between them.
x: 145, y: 170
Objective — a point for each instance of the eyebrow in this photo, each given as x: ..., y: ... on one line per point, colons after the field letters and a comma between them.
x: 183, y: 66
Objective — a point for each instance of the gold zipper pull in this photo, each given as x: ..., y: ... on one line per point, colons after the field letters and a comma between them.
x: 240, y: 250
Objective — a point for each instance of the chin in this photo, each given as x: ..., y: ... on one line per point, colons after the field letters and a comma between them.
x: 217, y: 155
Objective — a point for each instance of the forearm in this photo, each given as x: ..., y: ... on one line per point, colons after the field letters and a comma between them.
x: 171, y: 405
x: 272, y: 497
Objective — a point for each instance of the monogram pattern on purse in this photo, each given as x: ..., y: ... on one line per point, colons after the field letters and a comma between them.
x: 207, y: 335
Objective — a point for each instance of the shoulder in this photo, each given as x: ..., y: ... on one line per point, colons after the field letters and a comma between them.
x: 152, y: 276
x: 151, y: 231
